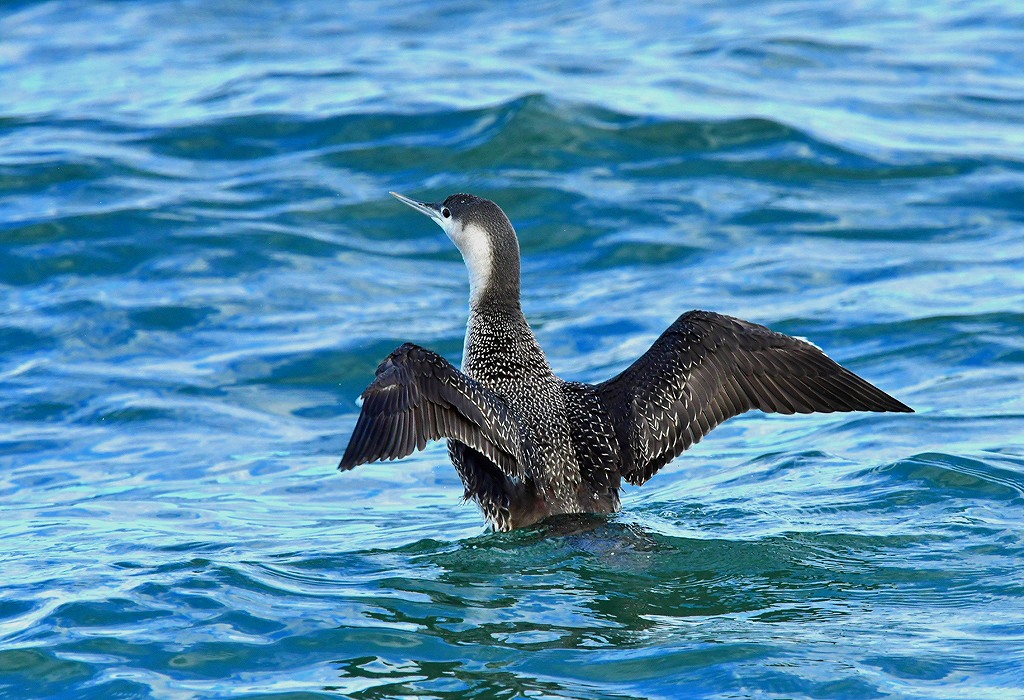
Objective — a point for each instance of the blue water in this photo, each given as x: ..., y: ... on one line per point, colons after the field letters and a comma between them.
x: 200, y: 268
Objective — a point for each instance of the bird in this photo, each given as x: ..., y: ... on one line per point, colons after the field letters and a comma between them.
x: 527, y: 444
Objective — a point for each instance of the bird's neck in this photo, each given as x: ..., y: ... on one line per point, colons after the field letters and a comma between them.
x: 497, y: 293
x: 499, y: 341
x: 493, y: 265
x: 500, y: 345
x: 495, y: 309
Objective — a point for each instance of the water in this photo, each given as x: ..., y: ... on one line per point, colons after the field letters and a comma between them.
x: 200, y: 268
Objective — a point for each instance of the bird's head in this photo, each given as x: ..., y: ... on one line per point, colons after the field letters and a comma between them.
x: 485, y: 237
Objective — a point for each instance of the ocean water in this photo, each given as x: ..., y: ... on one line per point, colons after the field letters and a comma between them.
x: 200, y: 268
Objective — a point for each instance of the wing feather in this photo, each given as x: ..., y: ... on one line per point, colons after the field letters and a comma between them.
x: 418, y: 396
x: 707, y: 368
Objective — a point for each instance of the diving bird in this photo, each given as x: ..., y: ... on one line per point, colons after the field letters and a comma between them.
x: 528, y: 444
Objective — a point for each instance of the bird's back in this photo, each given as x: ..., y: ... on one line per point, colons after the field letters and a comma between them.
x: 571, y: 452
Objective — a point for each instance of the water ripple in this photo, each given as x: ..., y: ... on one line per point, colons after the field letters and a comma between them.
x: 200, y: 269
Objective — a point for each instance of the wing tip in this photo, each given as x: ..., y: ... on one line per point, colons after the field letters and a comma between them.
x: 899, y: 407
x: 353, y: 457
x: 884, y: 404
x: 881, y: 402
x: 890, y: 406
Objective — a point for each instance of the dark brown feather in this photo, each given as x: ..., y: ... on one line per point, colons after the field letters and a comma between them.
x: 707, y: 368
x: 418, y: 396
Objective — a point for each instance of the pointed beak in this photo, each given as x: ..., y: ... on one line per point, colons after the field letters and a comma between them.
x: 430, y: 209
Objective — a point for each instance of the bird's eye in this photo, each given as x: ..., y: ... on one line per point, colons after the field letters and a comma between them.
x: 445, y: 213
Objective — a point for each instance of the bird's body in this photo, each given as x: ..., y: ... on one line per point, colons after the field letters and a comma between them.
x: 528, y: 444
x: 558, y: 420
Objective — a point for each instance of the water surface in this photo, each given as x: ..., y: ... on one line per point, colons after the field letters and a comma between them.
x: 200, y: 269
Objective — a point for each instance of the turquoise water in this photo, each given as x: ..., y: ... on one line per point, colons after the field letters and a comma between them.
x: 200, y: 268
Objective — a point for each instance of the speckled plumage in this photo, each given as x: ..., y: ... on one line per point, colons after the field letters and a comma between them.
x: 527, y: 444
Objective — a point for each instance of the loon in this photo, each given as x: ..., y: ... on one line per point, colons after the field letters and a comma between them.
x: 527, y: 444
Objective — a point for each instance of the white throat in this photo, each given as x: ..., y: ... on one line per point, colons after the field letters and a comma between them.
x: 475, y: 246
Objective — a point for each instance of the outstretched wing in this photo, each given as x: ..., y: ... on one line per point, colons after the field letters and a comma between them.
x: 419, y: 396
x: 707, y: 368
